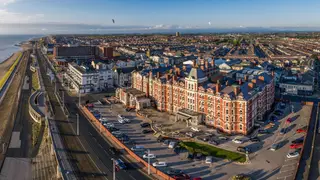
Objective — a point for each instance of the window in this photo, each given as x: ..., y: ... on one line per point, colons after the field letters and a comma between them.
x: 227, y: 119
x: 227, y: 111
x: 240, y: 112
x: 240, y: 119
x: 226, y: 104
x: 227, y: 127
x: 240, y: 126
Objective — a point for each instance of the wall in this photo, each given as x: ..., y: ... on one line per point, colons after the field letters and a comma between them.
x: 105, y: 132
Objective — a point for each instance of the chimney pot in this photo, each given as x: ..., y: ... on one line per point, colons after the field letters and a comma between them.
x: 158, y: 74
x: 240, y: 81
x: 236, y: 90
x: 261, y: 78
x: 251, y: 85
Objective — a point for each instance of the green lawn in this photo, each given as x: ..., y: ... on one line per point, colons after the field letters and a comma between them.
x: 35, y: 132
x: 35, y: 81
x: 206, y: 149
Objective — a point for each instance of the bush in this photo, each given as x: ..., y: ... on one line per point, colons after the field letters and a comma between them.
x: 213, y: 151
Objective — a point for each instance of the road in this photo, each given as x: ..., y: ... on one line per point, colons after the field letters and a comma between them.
x: 21, y: 124
x: 307, y: 144
x: 314, y: 167
x: 92, y: 142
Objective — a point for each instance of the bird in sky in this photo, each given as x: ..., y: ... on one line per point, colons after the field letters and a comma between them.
x: 113, y: 21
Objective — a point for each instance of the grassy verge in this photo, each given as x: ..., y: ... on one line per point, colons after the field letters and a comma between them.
x: 8, y: 73
x: 35, y: 81
x: 35, y: 132
x: 213, y: 151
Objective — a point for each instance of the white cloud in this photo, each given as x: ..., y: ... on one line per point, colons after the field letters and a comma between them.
x: 6, y: 2
x: 12, y: 17
x: 163, y: 26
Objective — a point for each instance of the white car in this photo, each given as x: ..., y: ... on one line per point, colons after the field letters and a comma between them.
x: 103, y: 119
x: 237, y: 141
x: 119, y: 116
x: 151, y: 156
x: 209, y: 160
x: 195, y: 129
x: 172, y: 144
x: 121, y: 121
x: 293, y: 154
x: 116, y: 133
x: 108, y: 125
x: 159, y: 164
x: 126, y: 120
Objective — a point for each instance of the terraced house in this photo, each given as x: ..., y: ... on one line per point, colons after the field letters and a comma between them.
x: 231, y: 104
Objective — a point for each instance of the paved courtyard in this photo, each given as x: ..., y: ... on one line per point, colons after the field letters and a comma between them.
x: 265, y: 164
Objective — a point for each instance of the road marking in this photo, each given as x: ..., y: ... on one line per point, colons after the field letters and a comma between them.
x: 289, y: 164
x: 287, y: 170
x: 284, y: 177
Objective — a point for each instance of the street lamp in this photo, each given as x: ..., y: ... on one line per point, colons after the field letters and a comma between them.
x: 148, y: 154
x: 77, y: 124
x: 113, y: 169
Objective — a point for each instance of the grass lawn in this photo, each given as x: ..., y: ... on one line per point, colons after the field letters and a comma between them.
x: 213, y: 151
x: 35, y: 81
x: 35, y: 132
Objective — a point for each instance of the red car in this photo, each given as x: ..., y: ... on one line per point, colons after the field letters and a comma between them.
x: 181, y: 177
x: 289, y: 120
x: 197, y: 178
x: 296, y: 146
x: 301, y: 130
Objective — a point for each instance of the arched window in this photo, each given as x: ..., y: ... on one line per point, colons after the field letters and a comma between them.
x: 240, y: 126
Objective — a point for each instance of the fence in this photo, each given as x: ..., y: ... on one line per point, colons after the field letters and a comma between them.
x: 105, y: 132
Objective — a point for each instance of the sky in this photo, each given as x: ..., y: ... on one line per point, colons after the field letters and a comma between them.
x: 79, y: 16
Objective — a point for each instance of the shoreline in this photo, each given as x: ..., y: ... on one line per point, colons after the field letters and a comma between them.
x: 8, y: 58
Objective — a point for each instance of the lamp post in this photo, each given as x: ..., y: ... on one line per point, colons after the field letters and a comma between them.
x: 113, y: 169
x: 77, y: 124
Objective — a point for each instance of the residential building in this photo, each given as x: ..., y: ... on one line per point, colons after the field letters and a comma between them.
x: 74, y: 52
x: 122, y: 76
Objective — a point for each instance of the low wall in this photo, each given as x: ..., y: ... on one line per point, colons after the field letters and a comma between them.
x: 105, y: 132
x: 35, y: 113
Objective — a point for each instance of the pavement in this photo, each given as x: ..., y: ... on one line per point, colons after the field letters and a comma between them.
x: 265, y: 164
x: 89, y: 141
x: 315, y: 162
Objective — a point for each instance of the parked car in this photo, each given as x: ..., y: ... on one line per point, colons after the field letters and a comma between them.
x: 121, y: 121
x: 190, y: 134
x: 159, y: 164
x: 275, y: 147
x: 147, y: 131
x: 296, y: 146
x: 255, y: 139
x: 120, y: 164
x: 237, y: 141
x: 209, y: 160
x: 111, y: 129
x: 172, y: 144
x: 195, y: 129
x: 223, y: 138
x: 293, y: 154
x: 243, y: 149
x: 283, y: 131
x: 302, y: 130
x: 173, y: 172
x: 241, y: 177
x: 263, y: 131
x: 198, y: 156
x: 181, y: 177
x: 137, y: 148
x: 151, y: 156
x: 289, y: 120
x: 213, y: 142
x: 114, y: 151
x: 144, y: 125
x: 197, y: 178
x: 108, y: 125
x: 126, y: 120
x: 299, y: 140
x: 116, y: 132
x: 190, y: 156
x: 119, y: 116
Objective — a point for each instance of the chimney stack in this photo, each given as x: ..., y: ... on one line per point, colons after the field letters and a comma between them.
x: 218, y: 86
x: 227, y: 83
x: 150, y: 74
x: 175, y: 77
x: 240, y: 81
x: 245, y: 78
x: 261, y: 78
x: 194, y: 63
x: 158, y: 74
x: 236, y: 89
x: 272, y: 73
x: 167, y: 76
x: 251, y: 85
x: 202, y: 67
x: 184, y: 68
x: 212, y: 62
x: 178, y: 71
x: 206, y: 64
x: 254, y: 81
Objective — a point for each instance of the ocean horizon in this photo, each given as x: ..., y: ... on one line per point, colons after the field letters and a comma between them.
x: 8, y: 44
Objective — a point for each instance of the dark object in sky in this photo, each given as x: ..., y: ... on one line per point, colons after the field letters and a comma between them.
x: 113, y: 21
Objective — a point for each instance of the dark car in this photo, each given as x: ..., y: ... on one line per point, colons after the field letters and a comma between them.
x: 198, y: 156
x: 144, y: 125
x: 181, y: 177
x: 283, y: 131
x: 114, y: 151
x: 190, y: 156
x: 243, y: 149
x: 206, y: 138
x: 213, y: 142
x: 120, y: 164
x: 147, y: 131
x: 297, y: 141
x: 263, y: 131
x: 111, y: 129
x: 255, y: 139
x: 173, y: 172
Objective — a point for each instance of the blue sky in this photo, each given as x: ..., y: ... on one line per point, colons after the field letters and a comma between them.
x: 164, y: 14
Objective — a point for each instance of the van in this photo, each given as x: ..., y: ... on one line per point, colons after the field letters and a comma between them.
x: 137, y: 148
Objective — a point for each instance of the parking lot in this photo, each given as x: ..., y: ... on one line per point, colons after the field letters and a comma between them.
x: 264, y: 163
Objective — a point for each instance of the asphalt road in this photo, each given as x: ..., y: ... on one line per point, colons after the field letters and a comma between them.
x: 22, y: 121
x: 314, y: 167
x: 94, y: 144
x: 307, y: 145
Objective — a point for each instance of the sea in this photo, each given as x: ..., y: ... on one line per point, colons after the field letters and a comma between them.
x: 9, y: 44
